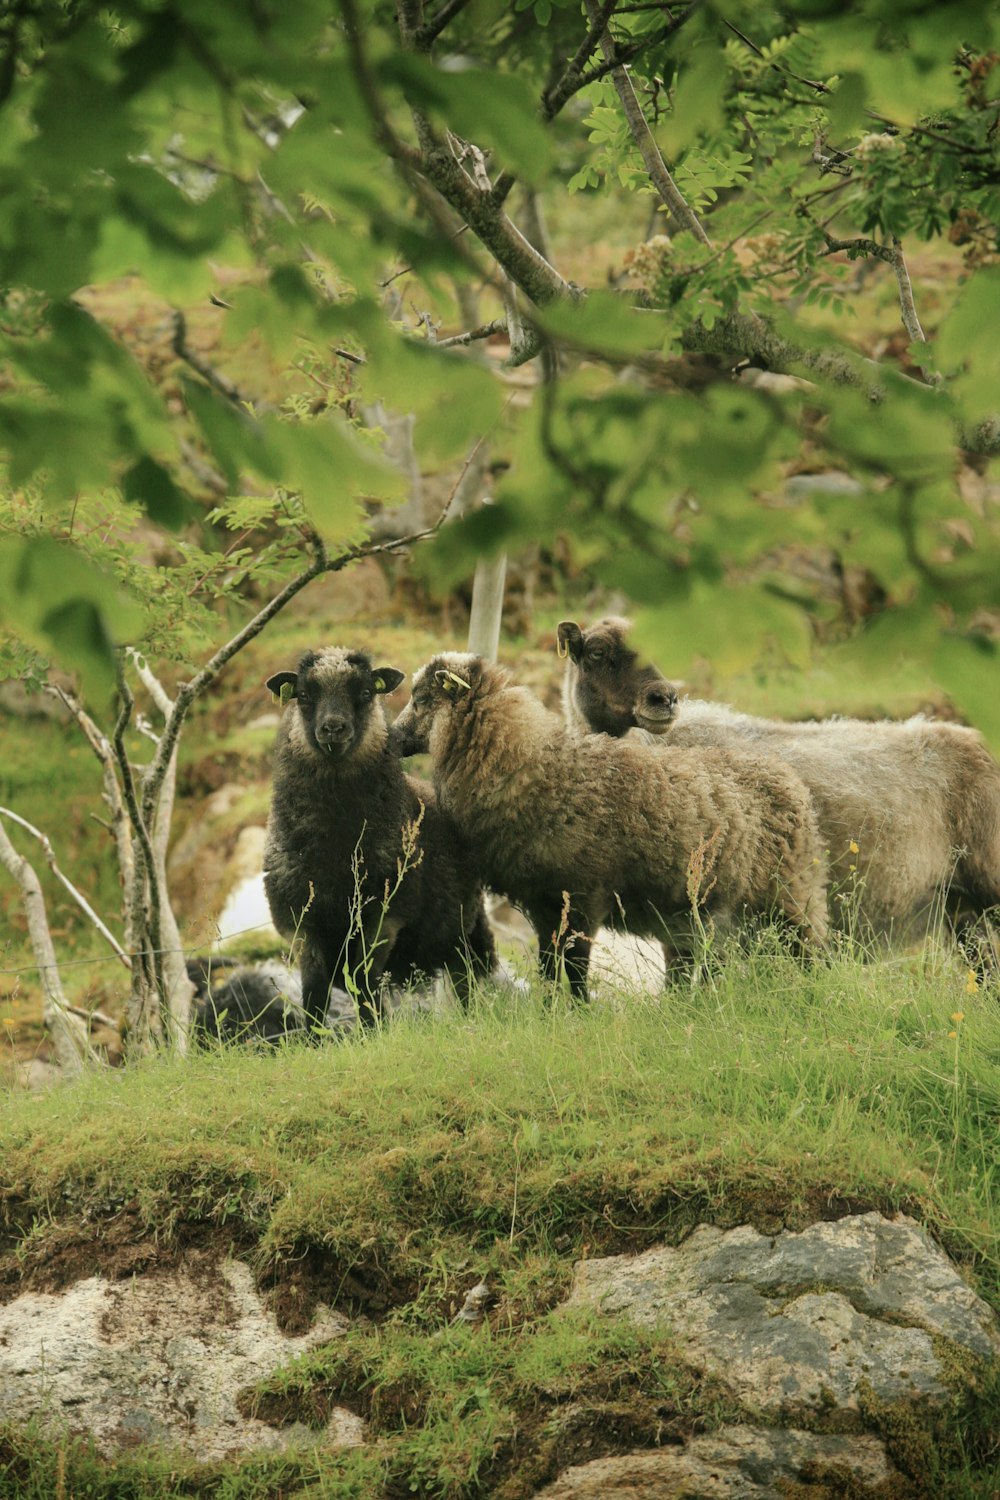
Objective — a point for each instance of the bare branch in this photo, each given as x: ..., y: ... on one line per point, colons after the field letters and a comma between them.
x: 64, y: 880
x: 498, y: 325
x: 209, y: 373
x: 659, y: 176
x: 144, y: 897
x: 906, y: 303
x: 893, y: 255
x: 432, y: 29
x: 68, y: 1035
x: 120, y: 828
x: 154, y: 687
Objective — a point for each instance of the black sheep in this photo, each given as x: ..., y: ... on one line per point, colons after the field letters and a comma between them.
x: 259, y: 1002
x: 360, y: 864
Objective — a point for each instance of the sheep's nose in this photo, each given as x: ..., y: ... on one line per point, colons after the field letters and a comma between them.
x: 333, y: 730
x: 661, y: 698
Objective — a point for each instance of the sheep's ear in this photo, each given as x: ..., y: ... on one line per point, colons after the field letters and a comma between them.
x: 451, y: 683
x: 282, y: 686
x: 387, y: 679
x: 569, y: 639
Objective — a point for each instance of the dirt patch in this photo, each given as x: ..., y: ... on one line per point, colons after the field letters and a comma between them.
x: 116, y: 1249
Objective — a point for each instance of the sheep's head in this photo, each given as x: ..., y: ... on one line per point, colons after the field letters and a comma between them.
x: 335, y: 693
x: 611, y: 687
x: 447, y: 682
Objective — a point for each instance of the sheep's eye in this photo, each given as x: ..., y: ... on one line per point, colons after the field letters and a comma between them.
x: 597, y: 655
x: 367, y: 695
x: 305, y: 699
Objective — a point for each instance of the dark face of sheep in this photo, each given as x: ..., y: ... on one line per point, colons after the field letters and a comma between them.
x: 443, y: 682
x: 335, y: 692
x: 612, y: 688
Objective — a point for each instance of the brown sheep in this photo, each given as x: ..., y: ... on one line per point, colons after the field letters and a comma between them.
x: 584, y: 832
x: 909, y: 811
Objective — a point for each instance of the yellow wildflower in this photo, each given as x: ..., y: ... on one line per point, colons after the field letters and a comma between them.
x: 952, y: 1035
x: 957, y: 1016
x: 971, y: 983
x: 852, y: 847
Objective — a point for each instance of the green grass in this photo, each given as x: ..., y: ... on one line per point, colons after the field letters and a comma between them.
x: 390, y: 1174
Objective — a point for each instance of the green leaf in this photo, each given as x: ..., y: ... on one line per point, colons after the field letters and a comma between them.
x: 332, y: 469
x: 731, y: 627
x: 968, y: 341
x: 490, y: 109
x: 149, y: 484
x: 52, y: 596
x: 697, y: 100
x: 605, y: 324
x: 236, y: 438
x: 847, y: 108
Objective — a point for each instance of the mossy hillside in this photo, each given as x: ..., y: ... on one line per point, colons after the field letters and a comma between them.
x: 387, y: 1175
x: 882, y: 1081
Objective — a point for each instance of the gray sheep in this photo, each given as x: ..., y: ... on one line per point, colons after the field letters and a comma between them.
x: 359, y: 863
x: 584, y: 832
x: 908, y: 811
x: 257, y: 1002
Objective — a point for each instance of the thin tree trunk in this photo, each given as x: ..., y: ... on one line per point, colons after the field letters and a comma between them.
x: 69, y: 1036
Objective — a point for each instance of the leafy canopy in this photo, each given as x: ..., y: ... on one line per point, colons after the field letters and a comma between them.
x: 293, y: 162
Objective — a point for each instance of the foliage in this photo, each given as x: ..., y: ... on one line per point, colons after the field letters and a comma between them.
x: 310, y: 153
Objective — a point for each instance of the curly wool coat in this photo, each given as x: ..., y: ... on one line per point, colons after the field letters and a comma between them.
x: 360, y: 863
x: 908, y: 811
x: 580, y: 832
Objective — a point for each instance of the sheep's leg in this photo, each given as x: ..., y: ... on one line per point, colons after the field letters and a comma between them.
x: 977, y: 938
x: 368, y: 953
x: 477, y: 960
x: 576, y: 961
x: 564, y: 941
x: 317, y: 975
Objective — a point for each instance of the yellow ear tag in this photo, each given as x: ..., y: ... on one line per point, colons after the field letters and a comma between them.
x: 380, y: 684
x: 287, y: 693
x: 562, y: 650
x: 450, y: 681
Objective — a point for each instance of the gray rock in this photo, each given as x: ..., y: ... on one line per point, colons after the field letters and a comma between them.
x: 158, y: 1359
x: 831, y: 483
x: 804, y: 1321
x: 735, y: 1463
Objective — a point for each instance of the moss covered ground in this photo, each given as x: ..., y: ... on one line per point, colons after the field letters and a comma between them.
x: 387, y: 1175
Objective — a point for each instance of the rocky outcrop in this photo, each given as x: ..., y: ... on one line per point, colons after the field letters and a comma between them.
x: 840, y: 1357
x: 158, y: 1359
x: 735, y: 1463
x: 822, y: 1327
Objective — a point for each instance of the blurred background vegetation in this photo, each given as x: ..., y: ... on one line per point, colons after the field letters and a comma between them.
x: 700, y: 298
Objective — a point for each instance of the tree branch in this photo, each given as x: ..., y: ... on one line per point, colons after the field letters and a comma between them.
x: 209, y: 373
x: 120, y: 828
x: 486, y: 331
x: 68, y: 1035
x: 906, y: 303
x: 669, y: 193
x: 436, y: 165
x: 893, y: 255
x: 64, y: 880
x: 563, y: 89
x: 627, y: 52
x: 432, y: 29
